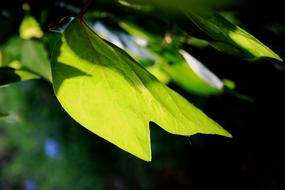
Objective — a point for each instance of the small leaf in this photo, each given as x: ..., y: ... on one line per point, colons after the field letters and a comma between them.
x: 35, y: 58
x: 30, y: 28
x: 223, y: 31
x: 9, y: 75
x: 110, y: 94
x: 231, y: 85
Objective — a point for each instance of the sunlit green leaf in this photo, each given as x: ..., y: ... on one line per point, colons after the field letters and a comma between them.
x: 139, y: 7
x: 35, y: 58
x: 30, y: 28
x: 15, y: 64
x: 107, y: 92
x: 229, y: 84
x: 193, y: 76
x: 231, y: 38
x: 156, y: 71
x: 134, y: 30
x: 199, y: 43
x: 9, y: 75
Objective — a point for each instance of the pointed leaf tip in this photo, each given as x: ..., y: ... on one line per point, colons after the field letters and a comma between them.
x: 229, y: 37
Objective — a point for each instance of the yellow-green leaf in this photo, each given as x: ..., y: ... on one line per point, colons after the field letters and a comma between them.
x: 231, y: 38
x: 30, y: 28
x: 110, y: 94
x: 193, y: 76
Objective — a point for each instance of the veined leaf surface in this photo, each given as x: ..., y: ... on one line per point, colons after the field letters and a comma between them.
x: 110, y: 94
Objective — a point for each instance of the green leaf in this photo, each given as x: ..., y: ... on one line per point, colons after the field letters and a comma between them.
x: 30, y: 28
x: 134, y: 30
x: 229, y: 49
x: 156, y: 71
x: 229, y: 84
x: 196, y: 42
x: 30, y: 54
x: 9, y: 75
x: 110, y: 94
x: 12, y: 51
x: 237, y: 41
x: 193, y: 76
x: 35, y: 58
x: 135, y: 6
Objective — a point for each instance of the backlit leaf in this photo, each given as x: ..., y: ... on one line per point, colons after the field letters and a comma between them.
x: 110, y: 94
x: 231, y: 38
x: 30, y: 28
x: 35, y: 58
x: 193, y: 76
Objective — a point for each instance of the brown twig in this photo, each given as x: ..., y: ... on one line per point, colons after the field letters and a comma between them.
x: 84, y: 9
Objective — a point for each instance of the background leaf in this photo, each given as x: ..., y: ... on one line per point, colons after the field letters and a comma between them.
x: 223, y: 31
x: 107, y: 92
x: 35, y: 58
x: 30, y: 28
x: 12, y: 50
x: 193, y: 76
x: 9, y: 75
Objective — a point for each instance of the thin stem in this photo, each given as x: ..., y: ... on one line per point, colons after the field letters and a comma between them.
x: 84, y: 9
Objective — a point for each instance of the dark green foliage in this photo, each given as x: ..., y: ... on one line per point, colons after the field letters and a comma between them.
x: 9, y: 75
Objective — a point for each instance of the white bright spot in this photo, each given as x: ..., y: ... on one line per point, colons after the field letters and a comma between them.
x: 133, y: 47
x: 141, y: 41
x: 202, y: 71
x: 63, y: 23
x: 123, y: 40
x: 102, y: 30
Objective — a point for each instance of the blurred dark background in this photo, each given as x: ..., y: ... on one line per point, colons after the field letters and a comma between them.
x: 41, y: 147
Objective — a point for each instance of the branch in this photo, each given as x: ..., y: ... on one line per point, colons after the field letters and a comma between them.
x: 84, y: 9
